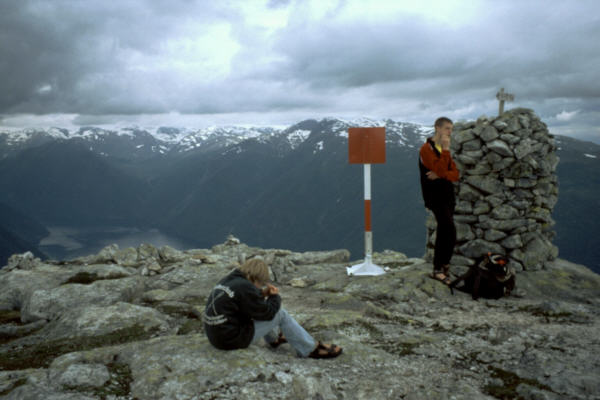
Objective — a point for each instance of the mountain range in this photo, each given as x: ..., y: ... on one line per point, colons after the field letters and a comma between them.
x: 273, y: 187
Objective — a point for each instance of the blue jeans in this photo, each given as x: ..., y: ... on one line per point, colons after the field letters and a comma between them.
x: 296, y: 336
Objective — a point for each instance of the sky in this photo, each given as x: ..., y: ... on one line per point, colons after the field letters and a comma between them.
x: 197, y: 63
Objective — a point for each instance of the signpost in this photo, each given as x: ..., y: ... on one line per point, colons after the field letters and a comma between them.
x: 502, y: 97
x: 366, y: 146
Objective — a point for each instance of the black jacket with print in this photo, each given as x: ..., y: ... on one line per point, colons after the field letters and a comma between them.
x: 232, y: 305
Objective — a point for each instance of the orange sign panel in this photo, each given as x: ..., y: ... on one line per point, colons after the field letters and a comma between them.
x: 366, y: 145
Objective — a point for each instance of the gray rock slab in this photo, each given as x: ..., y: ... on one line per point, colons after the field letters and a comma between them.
x: 84, y: 375
x: 400, y: 332
x: 320, y: 257
x: 504, y: 211
x: 485, y: 184
x: 49, y: 304
x: 489, y: 133
x: 479, y: 247
x: 93, y: 320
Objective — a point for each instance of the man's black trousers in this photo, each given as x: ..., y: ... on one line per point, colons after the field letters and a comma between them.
x: 445, y: 236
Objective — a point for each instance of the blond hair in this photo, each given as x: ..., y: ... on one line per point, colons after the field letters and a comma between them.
x: 256, y: 270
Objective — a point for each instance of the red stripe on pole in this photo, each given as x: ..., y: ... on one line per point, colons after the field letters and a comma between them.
x: 368, y: 215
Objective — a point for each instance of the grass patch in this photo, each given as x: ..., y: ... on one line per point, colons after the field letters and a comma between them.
x: 549, y: 315
x: 119, y: 384
x: 40, y: 355
x: 510, y: 383
x: 539, y: 311
x: 13, y: 318
x: 16, y: 384
x: 178, y: 310
x: 191, y: 326
x: 86, y: 278
x: 120, y: 380
x: 398, y: 348
x: 10, y: 317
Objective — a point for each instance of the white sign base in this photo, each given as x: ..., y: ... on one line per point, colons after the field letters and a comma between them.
x: 366, y: 268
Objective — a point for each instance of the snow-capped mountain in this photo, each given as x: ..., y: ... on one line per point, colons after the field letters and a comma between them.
x: 146, y: 142
x: 287, y: 187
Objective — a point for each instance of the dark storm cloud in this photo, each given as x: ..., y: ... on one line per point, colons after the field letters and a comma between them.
x: 205, y: 57
x: 538, y: 53
x: 69, y: 56
x: 541, y: 52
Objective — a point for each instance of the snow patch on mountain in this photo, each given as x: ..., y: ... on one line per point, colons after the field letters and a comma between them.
x: 297, y: 137
x: 164, y: 139
x: 318, y: 147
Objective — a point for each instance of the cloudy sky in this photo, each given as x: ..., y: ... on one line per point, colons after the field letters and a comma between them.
x: 275, y: 62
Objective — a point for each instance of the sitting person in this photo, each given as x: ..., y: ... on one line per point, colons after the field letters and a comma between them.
x: 242, y: 308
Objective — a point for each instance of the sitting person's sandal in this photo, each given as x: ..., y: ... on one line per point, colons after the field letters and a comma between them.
x: 326, y: 351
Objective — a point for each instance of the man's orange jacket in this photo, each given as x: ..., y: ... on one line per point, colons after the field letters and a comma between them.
x: 437, y: 192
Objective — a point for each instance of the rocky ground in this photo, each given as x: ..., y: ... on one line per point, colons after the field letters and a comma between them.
x: 125, y: 324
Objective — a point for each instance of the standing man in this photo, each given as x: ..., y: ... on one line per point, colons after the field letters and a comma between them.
x: 438, y: 171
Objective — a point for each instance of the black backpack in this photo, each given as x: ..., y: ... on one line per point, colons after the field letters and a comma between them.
x: 490, y: 277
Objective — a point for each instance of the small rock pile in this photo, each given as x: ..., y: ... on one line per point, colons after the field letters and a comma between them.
x: 507, y: 190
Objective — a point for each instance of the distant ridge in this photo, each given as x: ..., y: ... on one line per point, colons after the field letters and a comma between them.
x: 273, y: 187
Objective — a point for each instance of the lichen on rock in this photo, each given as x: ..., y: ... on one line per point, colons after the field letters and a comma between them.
x: 130, y: 336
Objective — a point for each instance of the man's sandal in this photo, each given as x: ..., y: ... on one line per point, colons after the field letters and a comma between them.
x: 280, y: 340
x: 442, y: 277
x: 446, y: 270
x: 326, y: 351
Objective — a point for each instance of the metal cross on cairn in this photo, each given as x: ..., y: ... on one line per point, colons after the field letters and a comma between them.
x: 502, y: 97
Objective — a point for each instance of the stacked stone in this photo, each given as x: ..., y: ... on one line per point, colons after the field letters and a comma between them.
x: 507, y: 190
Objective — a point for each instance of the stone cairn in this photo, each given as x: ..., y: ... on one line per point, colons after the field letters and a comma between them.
x: 507, y: 190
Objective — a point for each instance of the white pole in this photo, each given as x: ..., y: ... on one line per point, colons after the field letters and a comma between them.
x: 368, y: 232
x: 367, y: 268
x: 367, y: 171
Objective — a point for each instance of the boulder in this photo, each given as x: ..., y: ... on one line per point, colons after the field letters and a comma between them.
x: 472, y: 145
x: 127, y: 257
x: 512, y: 242
x: 321, y: 257
x: 25, y: 261
x: 479, y: 247
x: 524, y: 148
x: 84, y: 375
x: 485, y: 184
x: 147, y: 252
x: 493, y: 235
x: 107, y: 254
x: 49, y: 304
x: 170, y: 255
x: 504, y: 211
x: 489, y: 133
x: 463, y: 232
x: 463, y: 136
x: 16, y: 286
x: 95, y: 320
x: 500, y: 147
